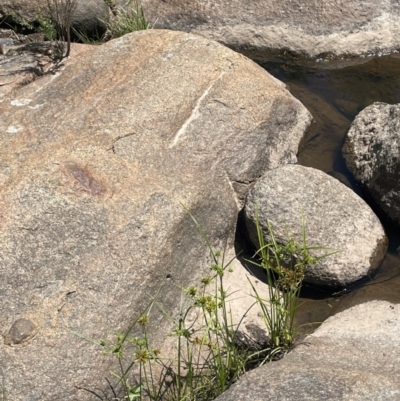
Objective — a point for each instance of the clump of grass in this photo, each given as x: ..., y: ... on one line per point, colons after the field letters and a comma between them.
x: 123, y: 20
x: 127, y: 19
x: 94, y: 39
x: 57, y: 27
x: 207, y: 359
x: 285, y: 265
x: 208, y: 356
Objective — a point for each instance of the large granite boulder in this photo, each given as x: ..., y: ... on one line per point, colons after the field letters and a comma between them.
x: 96, y: 160
x: 311, y: 27
x: 335, y: 217
x: 371, y: 151
x: 353, y: 355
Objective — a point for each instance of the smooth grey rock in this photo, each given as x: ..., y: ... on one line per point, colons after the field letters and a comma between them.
x: 371, y: 151
x: 90, y: 18
x: 311, y: 27
x: 354, y: 355
x: 335, y: 218
x: 96, y: 162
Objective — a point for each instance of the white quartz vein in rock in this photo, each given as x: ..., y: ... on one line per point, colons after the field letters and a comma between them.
x: 195, y: 112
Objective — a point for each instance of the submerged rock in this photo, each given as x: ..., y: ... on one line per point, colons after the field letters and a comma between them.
x: 371, y: 151
x: 341, y: 178
x: 335, y: 218
x: 354, y: 355
x: 96, y: 162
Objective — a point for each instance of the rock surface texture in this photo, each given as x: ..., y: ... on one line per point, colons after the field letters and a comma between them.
x: 372, y: 150
x: 353, y: 355
x: 313, y: 27
x: 335, y: 217
x: 21, y: 65
x: 96, y: 159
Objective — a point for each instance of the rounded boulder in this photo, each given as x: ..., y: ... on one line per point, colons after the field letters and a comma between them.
x: 334, y: 217
x: 371, y: 150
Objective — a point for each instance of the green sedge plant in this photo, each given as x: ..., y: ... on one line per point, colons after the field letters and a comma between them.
x: 208, y: 358
x: 285, y: 264
x: 133, y: 352
x: 211, y: 355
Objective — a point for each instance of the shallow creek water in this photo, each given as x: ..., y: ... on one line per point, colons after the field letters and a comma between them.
x: 334, y: 92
